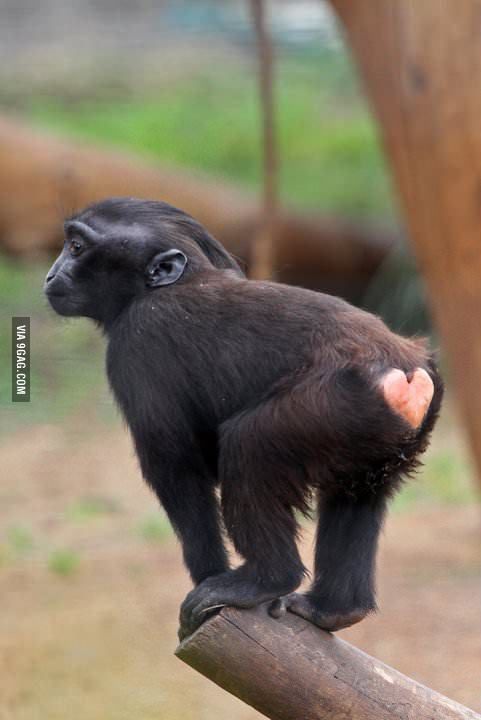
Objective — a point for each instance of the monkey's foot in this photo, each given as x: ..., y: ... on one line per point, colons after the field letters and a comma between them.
x: 409, y: 397
x: 229, y: 588
x: 304, y: 606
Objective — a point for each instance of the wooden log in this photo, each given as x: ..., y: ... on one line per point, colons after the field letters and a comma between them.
x: 288, y: 669
x: 420, y: 61
x: 44, y: 177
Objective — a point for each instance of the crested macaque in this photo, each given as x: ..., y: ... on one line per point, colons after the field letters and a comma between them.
x: 248, y: 402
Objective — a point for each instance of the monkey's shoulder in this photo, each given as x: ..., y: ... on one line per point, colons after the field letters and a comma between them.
x: 224, y: 290
x: 296, y: 307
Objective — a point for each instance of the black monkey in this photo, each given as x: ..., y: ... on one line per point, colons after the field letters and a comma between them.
x: 269, y: 392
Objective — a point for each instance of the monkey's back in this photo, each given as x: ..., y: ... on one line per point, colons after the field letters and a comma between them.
x: 306, y: 326
x: 220, y: 346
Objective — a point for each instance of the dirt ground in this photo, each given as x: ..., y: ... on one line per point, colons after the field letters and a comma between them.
x: 91, y: 583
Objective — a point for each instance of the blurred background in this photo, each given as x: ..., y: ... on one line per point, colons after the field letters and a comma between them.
x: 161, y: 100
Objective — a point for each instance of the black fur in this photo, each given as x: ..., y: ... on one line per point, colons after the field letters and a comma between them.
x: 264, y: 390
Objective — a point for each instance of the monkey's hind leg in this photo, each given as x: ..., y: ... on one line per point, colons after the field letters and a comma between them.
x: 260, y: 520
x: 343, y: 590
x: 391, y: 429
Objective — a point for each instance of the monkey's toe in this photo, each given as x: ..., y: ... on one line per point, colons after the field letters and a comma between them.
x: 194, y: 610
x: 305, y: 607
x: 408, y: 397
x: 215, y: 593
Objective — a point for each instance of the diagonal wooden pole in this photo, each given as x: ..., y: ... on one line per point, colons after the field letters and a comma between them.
x: 288, y: 669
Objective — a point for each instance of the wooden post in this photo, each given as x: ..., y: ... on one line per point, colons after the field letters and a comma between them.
x: 288, y: 669
x: 421, y: 64
x: 263, y: 251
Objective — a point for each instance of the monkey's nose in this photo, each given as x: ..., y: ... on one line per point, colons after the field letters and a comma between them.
x: 48, y: 280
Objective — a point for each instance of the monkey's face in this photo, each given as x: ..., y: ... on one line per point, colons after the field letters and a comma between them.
x: 97, y: 275
x: 121, y: 249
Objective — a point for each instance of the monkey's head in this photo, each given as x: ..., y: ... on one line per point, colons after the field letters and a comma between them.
x: 121, y: 249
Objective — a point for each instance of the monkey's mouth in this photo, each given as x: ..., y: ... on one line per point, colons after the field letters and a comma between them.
x: 63, y: 304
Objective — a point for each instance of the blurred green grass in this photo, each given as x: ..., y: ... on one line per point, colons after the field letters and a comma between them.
x: 63, y: 562
x: 92, y: 507
x: 155, y: 528
x: 67, y: 367
x: 20, y: 540
x: 447, y: 478
x: 330, y: 154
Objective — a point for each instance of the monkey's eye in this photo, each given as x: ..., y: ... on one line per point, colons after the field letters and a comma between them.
x: 75, y: 247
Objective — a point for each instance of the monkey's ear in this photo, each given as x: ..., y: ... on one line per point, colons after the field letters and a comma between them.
x: 166, y: 268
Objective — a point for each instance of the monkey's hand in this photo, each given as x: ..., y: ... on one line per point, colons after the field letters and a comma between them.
x: 307, y: 608
x: 233, y: 588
